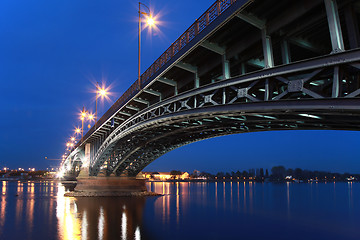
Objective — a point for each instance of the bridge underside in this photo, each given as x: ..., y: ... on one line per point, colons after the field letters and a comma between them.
x: 149, y: 140
x: 243, y: 66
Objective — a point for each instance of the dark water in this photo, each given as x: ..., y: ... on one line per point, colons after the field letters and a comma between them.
x: 186, y: 211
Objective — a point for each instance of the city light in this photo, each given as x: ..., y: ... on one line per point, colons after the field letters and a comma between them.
x: 73, y: 139
x: 77, y: 130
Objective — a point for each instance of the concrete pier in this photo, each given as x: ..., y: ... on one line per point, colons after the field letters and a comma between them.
x: 110, y: 187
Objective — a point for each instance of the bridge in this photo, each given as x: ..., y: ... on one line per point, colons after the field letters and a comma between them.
x: 242, y: 66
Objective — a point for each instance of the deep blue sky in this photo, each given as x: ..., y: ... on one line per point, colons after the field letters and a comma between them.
x: 52, y: 52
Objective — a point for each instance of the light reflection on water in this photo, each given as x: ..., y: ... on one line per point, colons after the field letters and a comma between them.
x: 220, y: 210
x: 30, y: 210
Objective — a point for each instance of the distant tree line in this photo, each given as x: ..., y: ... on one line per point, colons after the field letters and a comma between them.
x: 15, y: 173
x: 279, y: 174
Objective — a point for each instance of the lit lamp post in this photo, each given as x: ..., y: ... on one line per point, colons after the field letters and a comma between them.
x: 90, y: 118
x: 100, y: 92
x: 82, y: 117
x: 77, y: 130
x: 150, y: 21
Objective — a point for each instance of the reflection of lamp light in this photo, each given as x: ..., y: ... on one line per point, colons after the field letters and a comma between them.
x: 123, y: 225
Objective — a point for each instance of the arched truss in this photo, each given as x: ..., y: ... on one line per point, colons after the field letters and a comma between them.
x: 317, y: 94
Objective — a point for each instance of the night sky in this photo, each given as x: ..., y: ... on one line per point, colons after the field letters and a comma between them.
x: 53, y: 52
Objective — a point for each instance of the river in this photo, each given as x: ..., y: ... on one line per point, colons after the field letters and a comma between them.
x: 220, y: 210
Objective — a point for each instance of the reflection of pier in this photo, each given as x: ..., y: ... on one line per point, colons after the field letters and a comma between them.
x: 99, y: 218
x: 109, y: 218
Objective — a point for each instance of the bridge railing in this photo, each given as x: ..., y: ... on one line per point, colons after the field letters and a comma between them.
x: 197, y: 27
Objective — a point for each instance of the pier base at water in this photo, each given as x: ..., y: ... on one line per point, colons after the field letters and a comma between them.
x: 110, y: 187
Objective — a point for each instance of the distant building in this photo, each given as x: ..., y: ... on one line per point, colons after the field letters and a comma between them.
x: 163, y: 176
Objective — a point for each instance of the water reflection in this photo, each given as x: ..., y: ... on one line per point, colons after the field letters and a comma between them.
x: 30, y: 210
x: 99, y: 218
x: 19, y: 202
x: 3, y: 205
x: 350, y: 194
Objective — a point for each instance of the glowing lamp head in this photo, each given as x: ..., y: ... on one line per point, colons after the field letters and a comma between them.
x: 77, y: 130
x: 91, y: 117
x: 150, y: 21
x: 83, y: 114
x: 102, y: 92
x: 73, y: 139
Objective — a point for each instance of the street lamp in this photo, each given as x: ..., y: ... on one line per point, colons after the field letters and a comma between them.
x: 82, y: 117
x: 100, y: 92
x: 77, y: 130
x: 151, y: 22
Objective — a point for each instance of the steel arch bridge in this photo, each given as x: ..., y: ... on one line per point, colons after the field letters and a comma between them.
x: 243, y: 66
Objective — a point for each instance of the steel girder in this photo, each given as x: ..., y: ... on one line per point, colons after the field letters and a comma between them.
x: 320, y: 93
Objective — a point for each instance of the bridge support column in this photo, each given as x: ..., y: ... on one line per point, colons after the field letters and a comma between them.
x: 267, y: 49
x: 226, y: 67
x: 334, y: 26
x: 109, y: 186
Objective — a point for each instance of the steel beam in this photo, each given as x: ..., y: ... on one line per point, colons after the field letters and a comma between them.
x: 187, y: 67
x: 169, y: 82
x: 125, y: 113
x: 139, y: 100
x: 267, y: 49
x: 225, y: 67
x: 119, y: 118
x: 265, y: 37
x: 307, y: 45
x: 153, y: 92
x: 334, y: 26
x: 336, y: 83
x: 256, y: 62
x: 251, y: 19
x: 285, y: 52
x: 132, y: 108
x: 242, y: 69
x: 213, y: 47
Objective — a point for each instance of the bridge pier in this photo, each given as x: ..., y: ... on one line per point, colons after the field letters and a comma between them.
x: 108, y: 186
